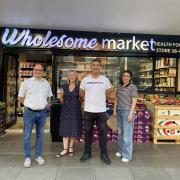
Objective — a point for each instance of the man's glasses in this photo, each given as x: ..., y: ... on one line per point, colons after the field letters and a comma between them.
x: 40, y: 70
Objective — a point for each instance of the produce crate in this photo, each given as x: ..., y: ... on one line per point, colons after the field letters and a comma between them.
x: 165, y: 124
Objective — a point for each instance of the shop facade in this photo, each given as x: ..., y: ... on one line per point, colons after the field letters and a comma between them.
x: 153, y: 59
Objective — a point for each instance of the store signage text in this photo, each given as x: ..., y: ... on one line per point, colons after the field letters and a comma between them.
x: 25, y: 38
x: 132, y: 44
x: 168, y: 47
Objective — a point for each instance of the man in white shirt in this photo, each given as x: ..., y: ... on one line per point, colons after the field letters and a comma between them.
x: 34, y: 94
x: 94, y: 89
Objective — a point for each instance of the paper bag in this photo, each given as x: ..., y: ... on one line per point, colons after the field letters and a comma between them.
x: 112, y: 123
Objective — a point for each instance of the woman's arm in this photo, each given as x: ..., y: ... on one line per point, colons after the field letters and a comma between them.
x: 133, y: 105
x: 82, y: 94
x: 108, y: 92
x: 115, y: 106
x: 61, y: 96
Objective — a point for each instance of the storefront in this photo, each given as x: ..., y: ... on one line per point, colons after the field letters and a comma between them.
x: 154, y: 60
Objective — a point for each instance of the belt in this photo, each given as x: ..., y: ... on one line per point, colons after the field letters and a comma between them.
x: 38, y: 110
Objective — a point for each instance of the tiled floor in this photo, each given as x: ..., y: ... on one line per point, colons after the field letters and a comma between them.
x: 150, y: 162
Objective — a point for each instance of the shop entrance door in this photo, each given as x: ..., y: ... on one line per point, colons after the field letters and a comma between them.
x: 10, y: 87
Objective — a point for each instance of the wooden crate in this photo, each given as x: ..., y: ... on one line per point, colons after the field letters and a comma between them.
x: 165, y: 123
x: 165, y: 140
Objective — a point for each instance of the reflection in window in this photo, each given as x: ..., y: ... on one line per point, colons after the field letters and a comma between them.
x: 82, y: 64
x: 112, y: 67
x: 142, y: 69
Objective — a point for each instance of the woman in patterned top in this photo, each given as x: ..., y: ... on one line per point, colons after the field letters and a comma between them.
x: 70, y: 119
x: 125, y: 102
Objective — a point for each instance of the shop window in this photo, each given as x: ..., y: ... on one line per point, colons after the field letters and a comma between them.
x: 142, y: 69
x: 149, y: 74
x: 82, y: 64
x: 165, y: 74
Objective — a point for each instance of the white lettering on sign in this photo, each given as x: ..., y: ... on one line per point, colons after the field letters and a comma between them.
x: 128, y: 44
x: 25, y: 38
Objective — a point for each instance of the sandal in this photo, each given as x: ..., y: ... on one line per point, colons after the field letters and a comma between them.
x: 60, y: 154
x: 71, y: 152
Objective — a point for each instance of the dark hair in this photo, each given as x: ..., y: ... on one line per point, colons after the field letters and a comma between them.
x: 96, y: 60
x: 125, y: 71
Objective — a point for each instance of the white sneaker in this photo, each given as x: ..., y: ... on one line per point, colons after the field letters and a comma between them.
x: 40, y: 161
x: 118, y: 154
x: 27, y: 163
x: 125, y: 160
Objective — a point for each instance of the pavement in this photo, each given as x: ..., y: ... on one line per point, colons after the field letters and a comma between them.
x: 150, y: 162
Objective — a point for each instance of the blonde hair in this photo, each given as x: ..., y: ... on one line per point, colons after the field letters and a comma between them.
x: 70, y: 71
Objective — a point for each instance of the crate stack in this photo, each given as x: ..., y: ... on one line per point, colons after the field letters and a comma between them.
x: 166, y: 124
x: 142, y: 125
x: 141, y: 132
x: 111, y: 135
x: 2, y: 118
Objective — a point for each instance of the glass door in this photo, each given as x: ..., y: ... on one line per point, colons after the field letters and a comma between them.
x: 10, y: 88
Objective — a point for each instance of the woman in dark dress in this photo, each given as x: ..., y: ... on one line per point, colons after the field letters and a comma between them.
x: 70, y: 119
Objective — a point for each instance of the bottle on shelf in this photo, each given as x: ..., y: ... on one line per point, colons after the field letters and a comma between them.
x: 145, y: 73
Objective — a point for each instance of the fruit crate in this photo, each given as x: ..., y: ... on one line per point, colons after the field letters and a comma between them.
x: 165, y: 124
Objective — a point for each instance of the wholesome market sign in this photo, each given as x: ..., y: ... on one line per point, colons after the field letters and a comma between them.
x: 82, y: 40
x: 24, y: 38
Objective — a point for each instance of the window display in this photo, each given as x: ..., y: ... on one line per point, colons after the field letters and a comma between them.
x: 165, y: 74
x: 145, y: 71
x: 158, y: 74
x: 142, y: 69
x: 82, y: 64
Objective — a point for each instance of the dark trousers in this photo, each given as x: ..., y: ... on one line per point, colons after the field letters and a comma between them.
x: 101, y: 121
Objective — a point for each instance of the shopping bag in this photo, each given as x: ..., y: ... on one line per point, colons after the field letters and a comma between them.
x: 112, y: 123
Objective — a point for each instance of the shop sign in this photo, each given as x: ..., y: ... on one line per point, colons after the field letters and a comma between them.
x: 25, y: 38
x: 78, y: 40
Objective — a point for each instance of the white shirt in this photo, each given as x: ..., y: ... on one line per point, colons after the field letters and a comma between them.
x: 35, y: 93
x: 95, y: 93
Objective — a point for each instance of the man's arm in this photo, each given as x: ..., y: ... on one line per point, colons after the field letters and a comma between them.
x: 108, y: 92
x: 21, y: 100
x: 22, y: 92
